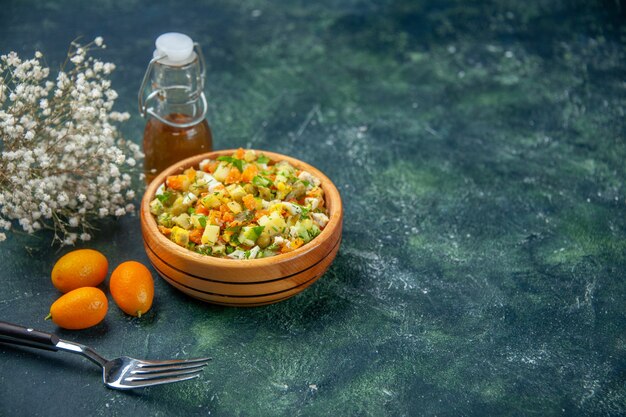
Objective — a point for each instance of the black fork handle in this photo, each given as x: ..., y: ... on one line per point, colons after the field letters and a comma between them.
x: 18, y: 335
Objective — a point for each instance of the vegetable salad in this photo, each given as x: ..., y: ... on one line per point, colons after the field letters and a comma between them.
x: 242, y: 206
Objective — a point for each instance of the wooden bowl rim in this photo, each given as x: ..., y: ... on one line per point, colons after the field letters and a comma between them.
x: 331, y: 196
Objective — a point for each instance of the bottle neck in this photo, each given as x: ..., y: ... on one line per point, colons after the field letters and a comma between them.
x: 180, y: 91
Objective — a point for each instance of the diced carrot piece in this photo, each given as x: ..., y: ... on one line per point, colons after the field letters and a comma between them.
x: 165, y: 230
x: 228, y: 217
x: 191, y: 174
x: 295, y: 244
x: 176, y: 182
x: 249, y: 173
x: 249, y: 201
x: 215, y: 217
x: 233, y: 176
x: 240, y: 153
x: 196, y: 236
x: 211, y: 167
x: 200, y: 209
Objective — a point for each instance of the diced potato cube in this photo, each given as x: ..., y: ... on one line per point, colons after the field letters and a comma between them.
x: 234, y: 206
x: 211, y: 234
x: 178, y: 206
x: 237, y: 192
x: 165, y: 219
x: 249, y: 156
x: 221, y: 172
x: 210, y: 201
x: 189, y: 199
x: 275, y: 224
x: 219, y: 249
x: 199, y: 186
x: 197, y: 220
x: 183, y: 220
x: 156, y: 207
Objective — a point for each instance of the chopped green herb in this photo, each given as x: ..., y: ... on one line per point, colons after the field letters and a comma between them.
x: 191, y: 210
x: 261, y: 181
x: 202, y: 221
x: 258, y: 230
x: 229, y: 249
x: 262, y: 159
x: 237, y: 163
x: 164, y: 196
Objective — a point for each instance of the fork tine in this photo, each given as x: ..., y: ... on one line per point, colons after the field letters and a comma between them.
x: 151, y: 382
x: 160, y: 374
x: 148, y: 364
x: 171, y: 367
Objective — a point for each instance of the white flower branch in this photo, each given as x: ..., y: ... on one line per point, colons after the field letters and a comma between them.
x: 63, y: 162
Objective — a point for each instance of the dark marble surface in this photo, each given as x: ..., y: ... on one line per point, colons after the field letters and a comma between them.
x: 479, y: 148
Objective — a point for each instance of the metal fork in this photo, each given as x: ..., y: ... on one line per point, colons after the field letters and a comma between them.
x: 118, y: 373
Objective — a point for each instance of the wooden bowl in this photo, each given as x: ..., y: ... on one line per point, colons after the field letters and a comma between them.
x: 247, y: 282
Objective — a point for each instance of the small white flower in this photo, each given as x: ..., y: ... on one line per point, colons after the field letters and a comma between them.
x: 69, y: 170
x: 63, y: 199
x: 77, y: 59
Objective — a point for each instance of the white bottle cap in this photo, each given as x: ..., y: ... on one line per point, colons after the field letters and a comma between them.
x: 177, y: 47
